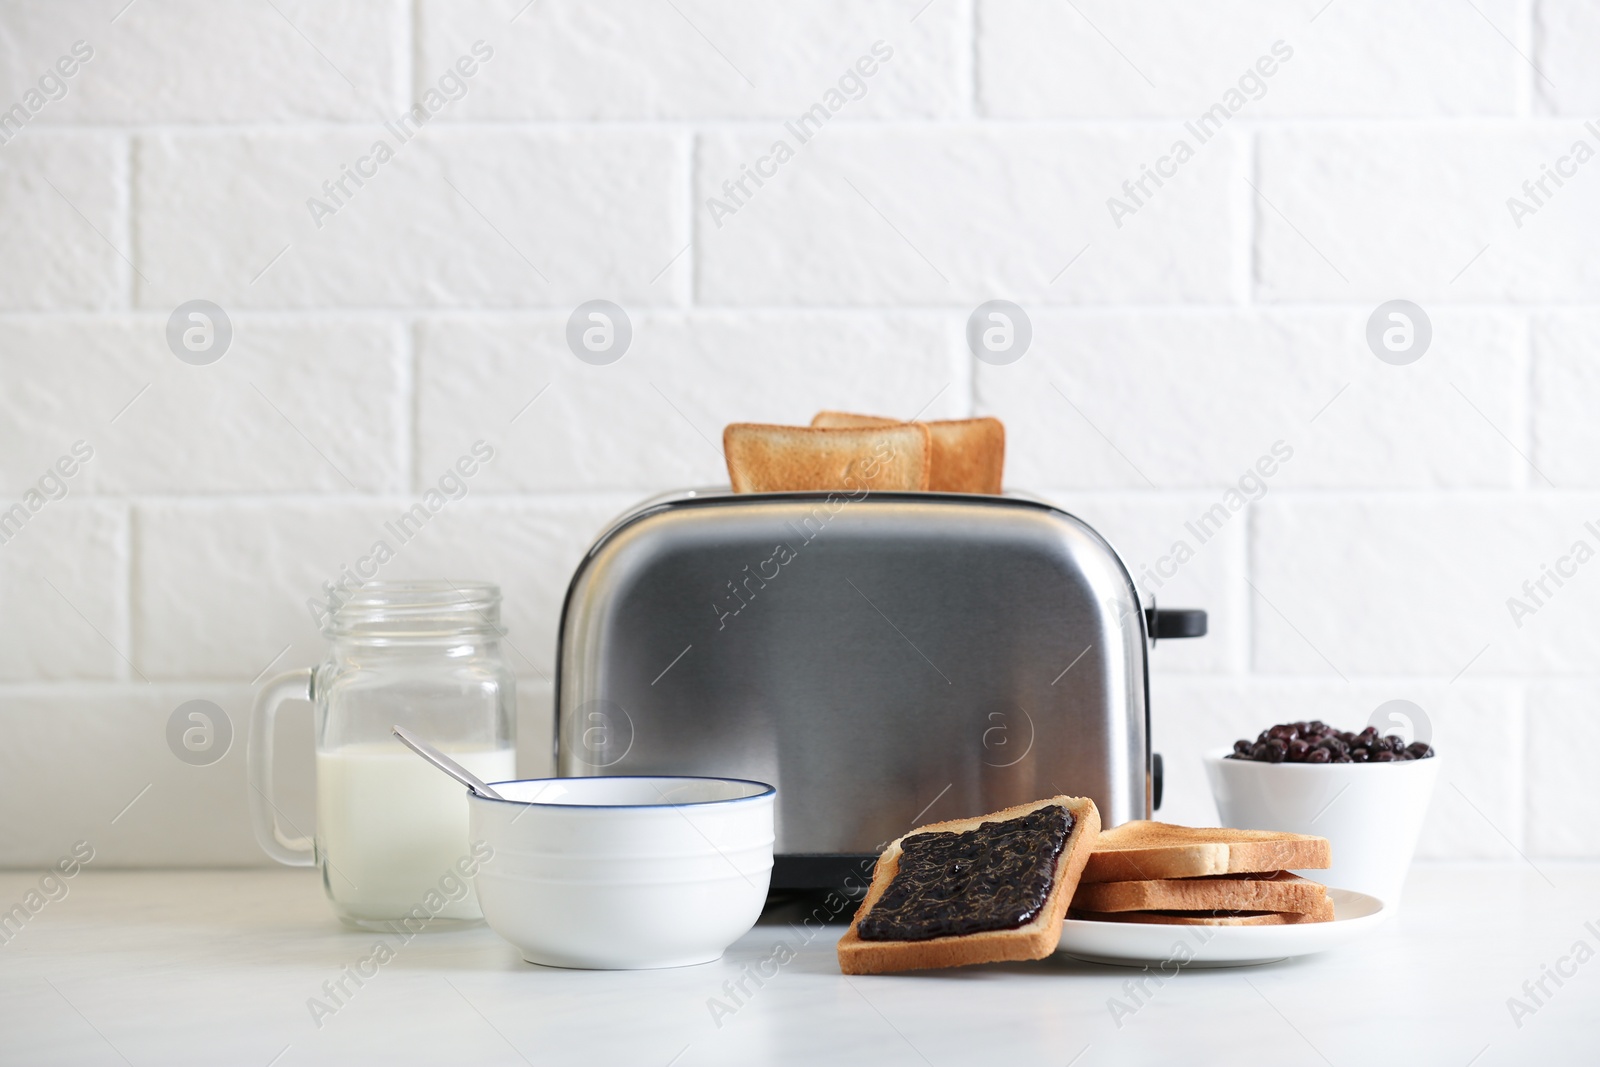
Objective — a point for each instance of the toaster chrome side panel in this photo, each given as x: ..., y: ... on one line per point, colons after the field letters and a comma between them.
x: 885, y: 662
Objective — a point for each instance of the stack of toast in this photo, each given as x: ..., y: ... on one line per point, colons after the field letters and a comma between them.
x: 842, y: 451
x: 998, y: 887
x: 1152, y: 872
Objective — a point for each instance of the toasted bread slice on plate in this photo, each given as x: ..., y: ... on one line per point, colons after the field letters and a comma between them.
x: 969, y: 455
x: 954, y: 880
x: 1323, y: 913
x: 1131, y: 938
x: 1143, y: 850
x: 769, y: 459
x: 1277, y: 891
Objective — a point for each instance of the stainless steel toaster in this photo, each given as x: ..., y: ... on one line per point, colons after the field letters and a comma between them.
x: 884, y: 659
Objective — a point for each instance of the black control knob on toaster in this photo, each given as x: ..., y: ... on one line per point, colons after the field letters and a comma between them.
x: 1164, y: 623
x: 1156, y: 775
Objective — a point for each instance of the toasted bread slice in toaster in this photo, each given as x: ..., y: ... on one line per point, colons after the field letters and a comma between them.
x: 969, y: 890
x: 1142, y: 850
x: 833, y: 420
x: 969, y: 455
x: 1276, y: 891
x: 768, y: 459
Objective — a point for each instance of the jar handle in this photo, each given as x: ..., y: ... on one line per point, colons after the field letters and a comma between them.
x: 296, y: 851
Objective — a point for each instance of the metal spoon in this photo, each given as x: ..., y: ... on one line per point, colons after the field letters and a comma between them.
x: 445, y: 763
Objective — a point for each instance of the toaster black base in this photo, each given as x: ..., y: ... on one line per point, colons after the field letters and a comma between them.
x: 847, y: 873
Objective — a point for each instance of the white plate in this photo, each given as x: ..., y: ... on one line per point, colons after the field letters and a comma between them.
x: 1138, y: 944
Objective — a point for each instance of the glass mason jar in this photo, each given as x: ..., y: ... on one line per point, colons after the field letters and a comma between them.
x: 391, y: 834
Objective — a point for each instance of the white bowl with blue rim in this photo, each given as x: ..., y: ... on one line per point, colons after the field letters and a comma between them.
x: 623, y: 872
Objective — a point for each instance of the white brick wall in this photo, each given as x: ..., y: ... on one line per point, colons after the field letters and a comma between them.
x: 1369, y: 157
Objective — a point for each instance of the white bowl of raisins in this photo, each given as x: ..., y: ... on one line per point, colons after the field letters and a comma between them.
x: 1367, y: 794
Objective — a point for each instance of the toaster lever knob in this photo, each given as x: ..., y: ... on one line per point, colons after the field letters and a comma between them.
x: 1166, y: 623
x: 1157, y: 774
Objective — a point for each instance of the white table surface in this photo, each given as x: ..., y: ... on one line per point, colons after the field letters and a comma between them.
x: 216, y: 967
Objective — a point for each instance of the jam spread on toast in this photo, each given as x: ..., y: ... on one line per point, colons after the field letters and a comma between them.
x: 996, y: 877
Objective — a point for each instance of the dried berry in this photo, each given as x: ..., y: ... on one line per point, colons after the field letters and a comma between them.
x: 1317, y: 742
